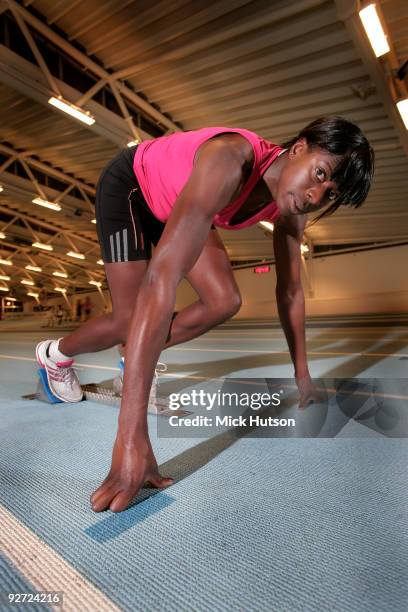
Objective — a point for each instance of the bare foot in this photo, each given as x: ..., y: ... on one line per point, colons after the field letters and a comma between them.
x: 132, y: 466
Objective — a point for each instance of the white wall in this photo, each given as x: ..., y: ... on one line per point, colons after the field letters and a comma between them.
x: 362, y: 282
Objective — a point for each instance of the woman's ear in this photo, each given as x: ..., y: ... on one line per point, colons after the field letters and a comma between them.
x: 298, y: 148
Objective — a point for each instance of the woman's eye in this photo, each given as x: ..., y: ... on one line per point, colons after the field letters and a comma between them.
x: 321, y: 174
x: 332, y: 196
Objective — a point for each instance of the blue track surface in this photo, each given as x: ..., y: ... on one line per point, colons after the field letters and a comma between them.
x: 257, y: 524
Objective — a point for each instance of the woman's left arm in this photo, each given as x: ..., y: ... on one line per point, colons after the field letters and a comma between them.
x: 287, y: 239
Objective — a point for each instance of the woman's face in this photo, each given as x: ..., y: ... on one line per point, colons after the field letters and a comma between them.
x: 305, y: 183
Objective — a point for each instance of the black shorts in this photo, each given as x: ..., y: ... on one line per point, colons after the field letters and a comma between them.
x: 126, y: 227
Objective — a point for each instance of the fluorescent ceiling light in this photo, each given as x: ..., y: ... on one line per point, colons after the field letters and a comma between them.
x: 61, y: 274
x: 96, y: 283
x: 27, y: 282
x: 304, y: 248
x: 4, y: 289
x: 34, y: 295
x: 5, y: 262
x: 100, y: 262
x: 403, y: 111
x: 47, y: 204
x: 11, y: 299
x: 372, y: 25
x: 267, y: 225
x: 2, y: 235
x: 72, y: 110
x: 33, y: 268
x: 93, y: 221
x: 76, y: 255
x: 132, y: 143
x: 60, y: 289
x: 4, y: 277
x: 1, y: 188
x: 40, y: 245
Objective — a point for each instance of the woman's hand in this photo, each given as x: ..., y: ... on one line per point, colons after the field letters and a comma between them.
x: 132, y: 466
x: 308, y: 392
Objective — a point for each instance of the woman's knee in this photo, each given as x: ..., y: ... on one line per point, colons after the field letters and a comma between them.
x: 235, y: 304
x: 226, y: 306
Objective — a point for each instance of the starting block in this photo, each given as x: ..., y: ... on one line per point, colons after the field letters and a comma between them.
x: 110, y: 391
x: 107, y: 392
x: 43, y: 391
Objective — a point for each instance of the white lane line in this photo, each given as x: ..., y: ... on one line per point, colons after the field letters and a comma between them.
x: 278, y: 338
x: 325, y: 353
x: 313, y: 333
x: 337, y: 330
x: 30, y: 556
x: 79, y: 365
x: 317, y: 339
x: 18, y: 358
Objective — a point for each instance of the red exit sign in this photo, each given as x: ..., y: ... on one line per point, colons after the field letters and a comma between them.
x: 261, y: 269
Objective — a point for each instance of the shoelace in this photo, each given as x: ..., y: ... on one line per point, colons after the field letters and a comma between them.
x: 65, y: 375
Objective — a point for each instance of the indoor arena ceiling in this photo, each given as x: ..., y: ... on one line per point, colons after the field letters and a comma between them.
x: 145, y: 68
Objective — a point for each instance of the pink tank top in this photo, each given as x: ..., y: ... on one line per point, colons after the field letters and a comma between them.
x: 163, y: 166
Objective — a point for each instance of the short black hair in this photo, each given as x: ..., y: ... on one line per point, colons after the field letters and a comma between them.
x: 354, y: 171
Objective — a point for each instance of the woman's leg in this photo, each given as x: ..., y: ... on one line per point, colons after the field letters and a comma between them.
x: 219, y: 297
x: 211, y: 277
x: 105, y: 331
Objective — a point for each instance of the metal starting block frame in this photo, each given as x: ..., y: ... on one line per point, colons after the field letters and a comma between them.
x: 110, y: 392
x: 107, y: 392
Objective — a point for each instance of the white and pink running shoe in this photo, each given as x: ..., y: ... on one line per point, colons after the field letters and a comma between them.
x: 62, y: 379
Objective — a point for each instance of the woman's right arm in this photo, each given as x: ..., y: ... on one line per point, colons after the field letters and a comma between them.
x: 214, y: 180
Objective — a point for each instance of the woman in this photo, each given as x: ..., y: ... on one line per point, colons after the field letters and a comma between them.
x: 173, y: 192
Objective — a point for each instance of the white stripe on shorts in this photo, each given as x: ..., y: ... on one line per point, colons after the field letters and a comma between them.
x: 118, y: 245
x: 125, y: 245
x: 112, y: 246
